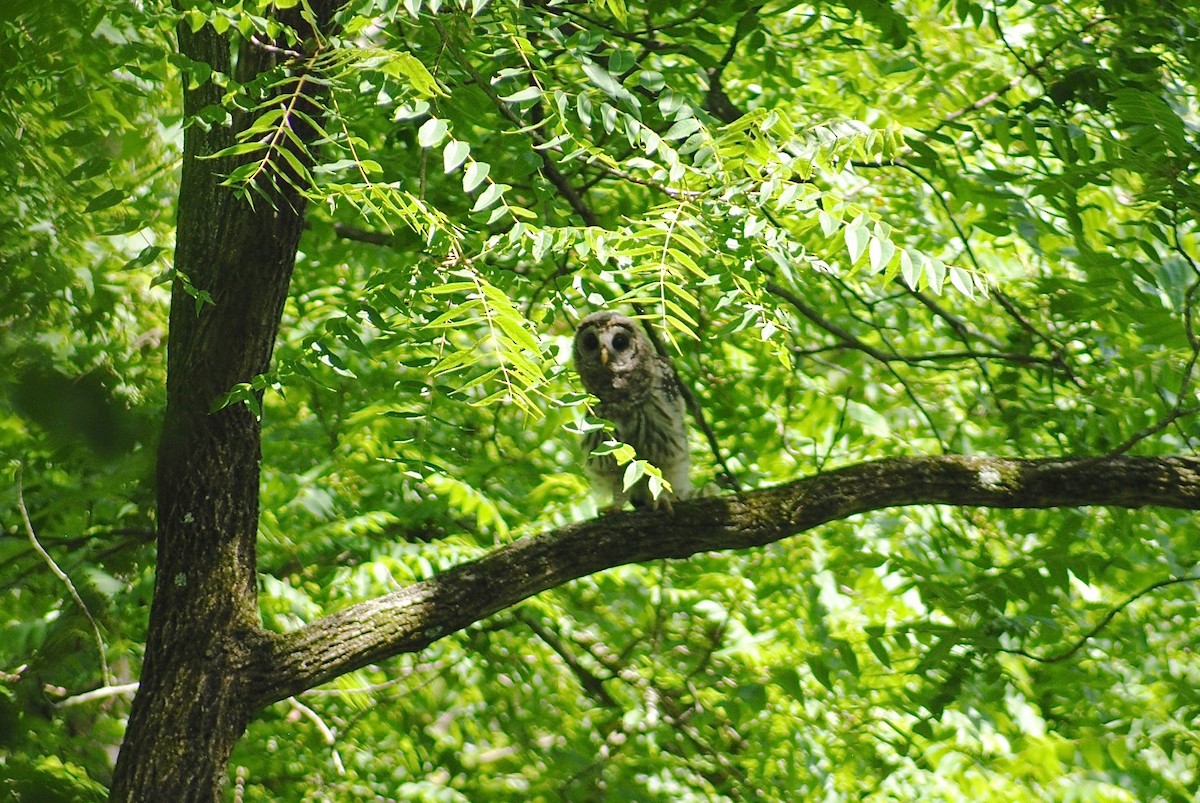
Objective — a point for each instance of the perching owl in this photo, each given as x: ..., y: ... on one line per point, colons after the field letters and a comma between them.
x: 639, y: 393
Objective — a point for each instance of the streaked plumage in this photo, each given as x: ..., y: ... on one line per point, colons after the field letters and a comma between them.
x: 639, y: 393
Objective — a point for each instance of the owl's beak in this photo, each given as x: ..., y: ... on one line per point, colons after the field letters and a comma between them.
x: 603, y: 356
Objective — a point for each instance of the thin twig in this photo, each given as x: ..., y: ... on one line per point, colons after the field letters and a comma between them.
x: 995, y: 95
x: 919, y: 360
x: 837, y: 433
x: 1103, y: 623
x: 549, y: 168
x: 61, y: 575
x: 966, y: 333
x: 1158, y: 426
x: 326, y: 733
x: 1178, y: 410
x: 592, y: 684
x: 97, y: 694
x: 843, y: 335
x: 1009, y: 306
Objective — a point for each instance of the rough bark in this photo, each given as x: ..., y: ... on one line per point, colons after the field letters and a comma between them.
x: 192, y: 704
x: 413, y: 617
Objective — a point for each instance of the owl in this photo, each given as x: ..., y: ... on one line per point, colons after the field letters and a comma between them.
x: 639, y: 393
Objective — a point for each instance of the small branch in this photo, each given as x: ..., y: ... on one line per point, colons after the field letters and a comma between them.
x: 553, y: 174
x: 920, y: 360
x: 326, y: 733
x: 121, y: 538
x: 291, y: 55
x: 543, y: 149
x: 843, y: 335
x: 823, y: 460
x: 1103, y: 623
x: 993, y: 96
x: 348, y: 232
x: 61, y: 575
x: 97, y: 694
x: 716, y: 101
x: 592, y: 684
x: 966, y: 333
x: 1176, y: 413
x: 1007, y: 304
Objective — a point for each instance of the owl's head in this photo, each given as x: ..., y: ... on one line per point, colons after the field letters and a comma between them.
x: 611, y: 354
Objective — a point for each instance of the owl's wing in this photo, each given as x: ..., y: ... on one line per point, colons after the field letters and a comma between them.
x: 669, y: 382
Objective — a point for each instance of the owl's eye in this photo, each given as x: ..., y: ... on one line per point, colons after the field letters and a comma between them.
x: 620, y: 341
x: 589, y: 342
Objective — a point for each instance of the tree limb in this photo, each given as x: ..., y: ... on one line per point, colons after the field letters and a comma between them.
x: 105, y: 675
x: 993, y: 96
x: 410, y: 619
x: 1103, y: 623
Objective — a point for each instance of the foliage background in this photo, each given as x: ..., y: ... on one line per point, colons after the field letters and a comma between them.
x: 860, y: 230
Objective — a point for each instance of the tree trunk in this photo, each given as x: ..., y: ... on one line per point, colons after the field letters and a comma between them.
x: 204, y: 635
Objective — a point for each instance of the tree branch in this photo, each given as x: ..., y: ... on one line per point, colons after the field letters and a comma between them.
x: 102, y: 693
x: 410, y: 619
x: 1103, y: 623
x: 105, y: 675
x: 993, y: 96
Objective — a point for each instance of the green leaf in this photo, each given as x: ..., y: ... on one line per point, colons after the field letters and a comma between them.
x: 410, y: 67
x: 486, y: 198
x: 856, y: 236
x: 451, y: 287
x: 1148, y: 109
x: 881, y: 253
x: 962, y: 282
x: 910, y: 269
x: 88, y: 169
x: 475, y: 174
x: 935, y: 273
x: 683, y: 129
x: 526, y: 95
x: 432, y: 132
x: 872, y: 422
x: 105, y: 200
x: 603, y: 80
x: 454, y: 154
x: 820, y: 671
x: 634, y: 471
x: 145, y: 257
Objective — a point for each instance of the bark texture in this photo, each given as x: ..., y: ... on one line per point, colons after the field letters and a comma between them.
x: 192, y: 704
x: 413, y: 617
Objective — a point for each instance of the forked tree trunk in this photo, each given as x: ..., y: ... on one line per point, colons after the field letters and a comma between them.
x: 204, y: 637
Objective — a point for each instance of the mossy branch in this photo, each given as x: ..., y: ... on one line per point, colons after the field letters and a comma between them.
x: 414, y: 617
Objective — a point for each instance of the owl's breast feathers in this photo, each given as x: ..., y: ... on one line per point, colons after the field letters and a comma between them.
x: 618, y: 385
x: 649, y: 418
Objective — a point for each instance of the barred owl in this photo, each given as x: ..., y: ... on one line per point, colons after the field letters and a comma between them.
x: 640, y: 394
